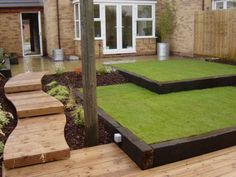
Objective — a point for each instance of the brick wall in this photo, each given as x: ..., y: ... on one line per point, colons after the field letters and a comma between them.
x: 10, y: 34
x: 182, y: 40
x: 71, y: 46
x: 146, y: 46
x: 51, y: 30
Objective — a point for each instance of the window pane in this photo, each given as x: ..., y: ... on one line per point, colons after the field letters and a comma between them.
x: 77, y: 11
x: 111, y: 37
x: 144, y: 11
x: 96, y: 11
x: 97, y: 26
x: 78, y: 29
x: 219, y: 5
x: 144, y: 28
x: 231, y: 4
x: 127, y: 24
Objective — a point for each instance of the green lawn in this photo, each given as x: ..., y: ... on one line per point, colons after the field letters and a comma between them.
x: 157, y: 118
x: 175, y: 70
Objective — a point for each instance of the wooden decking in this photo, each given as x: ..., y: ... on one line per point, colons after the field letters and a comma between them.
x: 39, y: 137
x: 110, y: 161
x: 24, y: 82
x: 35, y: 103
x: 101, y: 161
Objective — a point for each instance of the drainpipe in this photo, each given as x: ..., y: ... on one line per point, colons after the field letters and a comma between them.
x: 58, y: 25
x: 203, y: 5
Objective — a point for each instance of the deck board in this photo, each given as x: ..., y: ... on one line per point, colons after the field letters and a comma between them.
x: 34, y: 139
x: 103, y: 160
x: 109, y: 160
x: 35, y: 103
x: 25, y: 82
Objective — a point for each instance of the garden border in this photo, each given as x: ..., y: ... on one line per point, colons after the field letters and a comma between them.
x: 154, y: 155
x: 177, y: 86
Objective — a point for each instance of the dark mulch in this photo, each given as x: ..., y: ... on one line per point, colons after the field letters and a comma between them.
x: 74, y: 80
x: 75, y: 135
x: 7, y: 106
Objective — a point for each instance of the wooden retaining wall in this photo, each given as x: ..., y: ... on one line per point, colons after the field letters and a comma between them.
x: 215, y: 34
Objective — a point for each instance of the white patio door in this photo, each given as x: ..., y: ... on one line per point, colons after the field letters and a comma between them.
x: 119, y: 29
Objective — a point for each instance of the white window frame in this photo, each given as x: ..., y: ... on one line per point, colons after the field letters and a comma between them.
x: 79, y: 20
x: 99, y: 20
x: 76, y: 21
x: 225, y: 3
x: 153, y: 19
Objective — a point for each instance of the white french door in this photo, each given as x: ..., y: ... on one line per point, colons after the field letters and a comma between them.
x: 119, y: 29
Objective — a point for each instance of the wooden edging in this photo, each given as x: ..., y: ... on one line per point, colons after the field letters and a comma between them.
x: 148, y: 156
x: 177, y: 86
x: 137, y: 150
x: 180, y: 149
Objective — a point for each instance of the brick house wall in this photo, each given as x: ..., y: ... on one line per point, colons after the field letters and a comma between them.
x: 182, y: 40
x: 67, y: 32
x: 10, y: 37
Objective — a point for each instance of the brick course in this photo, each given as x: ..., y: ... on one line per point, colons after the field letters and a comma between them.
x: 10, y: 34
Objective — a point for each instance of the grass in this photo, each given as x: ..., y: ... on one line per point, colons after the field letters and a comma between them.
x: 176, y: 70
x: 156, y: 118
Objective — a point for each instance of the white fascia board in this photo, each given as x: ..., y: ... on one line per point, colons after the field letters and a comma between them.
x: 122, y: 1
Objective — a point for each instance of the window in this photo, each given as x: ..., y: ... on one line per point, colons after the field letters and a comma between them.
x: 231, y: 4
x: 97, y: 21
x: 224, y: 4
x: 77, y: 21
x: 145, y: 20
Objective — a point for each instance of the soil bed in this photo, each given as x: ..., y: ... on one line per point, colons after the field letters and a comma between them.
x: 75, y: 135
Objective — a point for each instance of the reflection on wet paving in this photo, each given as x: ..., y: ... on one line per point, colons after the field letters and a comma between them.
x: 33, y: 64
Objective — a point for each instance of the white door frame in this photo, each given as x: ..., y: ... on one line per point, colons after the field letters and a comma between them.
x: 119, y: 49
x: 40, y: 32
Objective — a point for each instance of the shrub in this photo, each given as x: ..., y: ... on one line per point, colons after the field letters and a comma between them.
x: 4, y: 118
x: 58, y: 91
x: 167, y: 21
x: 71, y: 104
x: 78, y: 115
x: 104, y: 70
x: 59, y: 69
x: 1, y: 147
x: 78, y: 70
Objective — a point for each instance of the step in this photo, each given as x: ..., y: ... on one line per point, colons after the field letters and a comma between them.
x: 36, y: 103
x: 218, y: 163
x: 104, y: 160
x: 36, y: 140
x: 30, y: 81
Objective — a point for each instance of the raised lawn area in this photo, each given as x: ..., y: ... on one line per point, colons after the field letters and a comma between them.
x: 156, y: 118
x: 178, y: 69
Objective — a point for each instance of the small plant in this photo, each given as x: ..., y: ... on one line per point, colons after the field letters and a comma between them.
x: 78, y: 115
x: 78, y: 70
x: 59, y: 69
x: 58, y: 91
x: 4, y: 118
x: 71, y: 104
x: 167, y: 21
x: 1, y: 147
x: 104, y: 70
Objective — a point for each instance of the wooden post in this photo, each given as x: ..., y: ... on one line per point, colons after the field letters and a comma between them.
x: 89, y: 72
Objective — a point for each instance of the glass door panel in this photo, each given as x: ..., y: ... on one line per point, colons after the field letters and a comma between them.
x: 111, y: 27
x: 127, y: 27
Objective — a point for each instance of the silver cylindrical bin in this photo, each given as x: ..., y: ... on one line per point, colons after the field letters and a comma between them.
x: 58, y: 55
x: 163, y: 50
